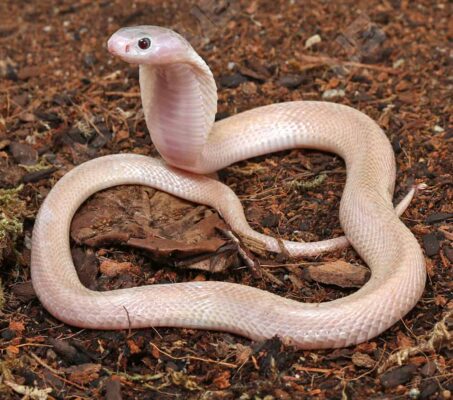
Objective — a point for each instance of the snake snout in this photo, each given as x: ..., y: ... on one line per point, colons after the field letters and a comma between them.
x: 117, y: 46
x: 111, y: 47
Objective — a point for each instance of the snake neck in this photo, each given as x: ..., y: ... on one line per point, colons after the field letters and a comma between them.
x: 179, y: 102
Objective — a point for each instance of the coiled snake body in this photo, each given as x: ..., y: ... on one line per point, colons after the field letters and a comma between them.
x: 179, y: 100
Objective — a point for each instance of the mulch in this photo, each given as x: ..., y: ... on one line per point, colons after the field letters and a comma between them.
x: 65, y: 100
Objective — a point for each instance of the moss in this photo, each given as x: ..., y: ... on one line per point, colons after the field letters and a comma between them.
x: 11, y: 214
x: 308, y: 185
x: 13, y: 210
x: 39, y: 166
x: 10, y: 197
x: 9, y: 228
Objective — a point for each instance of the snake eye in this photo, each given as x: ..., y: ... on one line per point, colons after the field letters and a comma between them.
x: 144, y: 43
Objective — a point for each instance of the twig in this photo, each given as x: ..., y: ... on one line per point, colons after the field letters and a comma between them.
x: 43, y: 364
x: 240, y: 250
x: 313, y: 369
x: 128, y: 322
x: 207, y: 360
x: 55, y: 373
x: 123, y: 94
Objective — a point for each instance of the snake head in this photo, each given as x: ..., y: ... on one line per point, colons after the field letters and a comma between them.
x: 148, y: 45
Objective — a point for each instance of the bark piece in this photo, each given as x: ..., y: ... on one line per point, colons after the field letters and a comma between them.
x: 363, y: 360
x: 24, y: 291
x: 86, y: 266
x: 68, y: 352
x: 113, y: 390
x: 84, y: 373
x: 169, y: 228
x: 431, y: 244
x: 339, y: 273
x: 23, y: 153
x: 398, y: 376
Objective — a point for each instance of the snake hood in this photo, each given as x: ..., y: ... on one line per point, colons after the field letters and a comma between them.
x: 178, y: 91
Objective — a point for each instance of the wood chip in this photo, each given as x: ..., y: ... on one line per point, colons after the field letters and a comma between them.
x: 339, y: 273
x: 363, y: 360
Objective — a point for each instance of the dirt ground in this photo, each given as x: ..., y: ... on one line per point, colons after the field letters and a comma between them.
x: 65, y: 100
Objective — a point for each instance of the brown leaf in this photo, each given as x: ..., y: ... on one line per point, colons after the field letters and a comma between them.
x: 163, y: 225
x: 339, y: 273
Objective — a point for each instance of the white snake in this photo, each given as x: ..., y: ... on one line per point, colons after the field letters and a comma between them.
x: 179, y: 100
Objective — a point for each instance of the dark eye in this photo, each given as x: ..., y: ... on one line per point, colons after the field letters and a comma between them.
x: 144, y: 43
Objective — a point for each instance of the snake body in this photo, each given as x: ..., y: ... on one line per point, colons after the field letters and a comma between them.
x: 179, y: 100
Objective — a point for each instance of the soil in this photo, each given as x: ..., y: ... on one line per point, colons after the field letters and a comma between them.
x: 65, y: 100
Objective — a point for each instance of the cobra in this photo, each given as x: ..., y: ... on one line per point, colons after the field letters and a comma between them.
x: 179, y: 99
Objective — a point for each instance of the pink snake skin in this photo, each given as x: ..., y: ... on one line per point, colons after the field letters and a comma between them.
x: 179, y: 99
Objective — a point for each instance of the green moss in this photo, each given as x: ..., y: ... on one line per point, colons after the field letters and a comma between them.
x: 9, y: 228
x: 39, y: 166
x: 10, y: 197
x: 12, y: 212
x: 308, y: 185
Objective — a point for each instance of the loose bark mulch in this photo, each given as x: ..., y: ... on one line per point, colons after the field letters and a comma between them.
x: 65, y: 100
